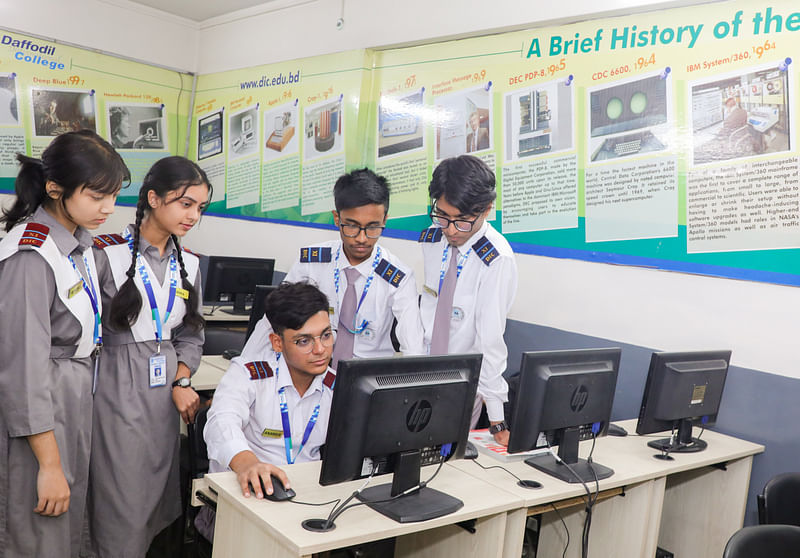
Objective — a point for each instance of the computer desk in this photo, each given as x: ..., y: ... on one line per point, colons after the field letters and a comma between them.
x: 209, y: 373
x: 689, y: 506
x: 217, y: 316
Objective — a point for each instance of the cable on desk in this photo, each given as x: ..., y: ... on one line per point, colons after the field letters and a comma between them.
x: 495, y: 467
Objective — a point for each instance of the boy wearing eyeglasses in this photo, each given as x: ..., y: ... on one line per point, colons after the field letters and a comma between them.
x: 470, y: 279
x: 264, y: 414
x: 367, y: 286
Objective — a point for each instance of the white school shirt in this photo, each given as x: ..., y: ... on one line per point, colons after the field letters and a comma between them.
x: 392, y: 294
x: 484, y: 293
x: 246, y: 415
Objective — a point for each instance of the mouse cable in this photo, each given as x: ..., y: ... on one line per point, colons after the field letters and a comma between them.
x: 336, y: 502
x: 566, y: 529
x: 495, y: 467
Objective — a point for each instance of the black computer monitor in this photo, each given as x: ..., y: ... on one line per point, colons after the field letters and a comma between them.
x: 232, y: 280
x: 682, y: 388
x: 257, y: 310
x: 392, y: 415
x: 564, y: 397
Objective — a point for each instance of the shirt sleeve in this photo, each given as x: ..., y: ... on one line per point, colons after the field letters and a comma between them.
x: 495, y: 297
x: 29, y: 289
x: 229, y: 414
x: 188, y: 342
x: 405, y: 307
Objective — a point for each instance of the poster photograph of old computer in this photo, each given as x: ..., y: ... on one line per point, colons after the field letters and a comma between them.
x: 630, y: 117
x: 742, y: 114
x: 243, y: 133
x: 401, y: 125
x: 209, y: 135
x: 538, y: 120
x: 463, y: 123
x: 140, y: 126
x: 280, y: 131
x: 324, y: 129
x: 56, y: 111
x: 9, y: 114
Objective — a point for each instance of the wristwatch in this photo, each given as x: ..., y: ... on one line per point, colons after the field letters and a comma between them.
x: 182, y: 382
x: 499, y: 427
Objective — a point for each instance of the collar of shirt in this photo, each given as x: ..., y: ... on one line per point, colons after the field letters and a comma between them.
x: 473, y: 239
x: 364, y: 268
x: 151, y: 252
x: 67, y: 243
x: 284, y: 379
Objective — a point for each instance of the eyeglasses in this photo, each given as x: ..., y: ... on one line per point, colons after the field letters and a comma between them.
x: 352, y: 231
x: 461, y: 225
x: 305, y: 343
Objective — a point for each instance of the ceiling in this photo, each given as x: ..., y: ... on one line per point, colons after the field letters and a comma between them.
x: 201, y: 10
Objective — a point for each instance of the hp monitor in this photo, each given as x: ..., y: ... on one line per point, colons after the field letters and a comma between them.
x: 564, y: 397
x: 393, y: 415
x: 681, y: 389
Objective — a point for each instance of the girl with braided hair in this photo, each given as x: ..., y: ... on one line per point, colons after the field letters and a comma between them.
x: 50, y: 335
x: 153, y: 342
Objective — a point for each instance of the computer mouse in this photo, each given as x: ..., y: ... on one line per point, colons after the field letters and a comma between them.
x: 228, y: 354
x: 470, y: 451
x: 279, y: 493
x: 616, y: 430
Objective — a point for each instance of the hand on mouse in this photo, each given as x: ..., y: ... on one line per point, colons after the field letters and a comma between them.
x: 249, y: 470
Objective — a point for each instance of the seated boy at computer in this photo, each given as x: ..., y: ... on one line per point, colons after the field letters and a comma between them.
x: 367, y: 286
x: 263, y: 416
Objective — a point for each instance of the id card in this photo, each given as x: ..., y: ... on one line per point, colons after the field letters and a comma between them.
x: 158, y: 370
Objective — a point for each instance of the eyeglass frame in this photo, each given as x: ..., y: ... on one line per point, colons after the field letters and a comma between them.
x: 312, y: 339
x: 360, y: 228
x: 433, y: 217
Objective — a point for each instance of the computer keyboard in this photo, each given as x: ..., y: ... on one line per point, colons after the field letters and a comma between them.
x: 628, y: 147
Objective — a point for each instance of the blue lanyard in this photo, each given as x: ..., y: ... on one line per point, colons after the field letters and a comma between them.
x: 336, y: 274
x: 287, y: 428
x: 92, y: 294
x: 461, y: 261
x: 151, y: 297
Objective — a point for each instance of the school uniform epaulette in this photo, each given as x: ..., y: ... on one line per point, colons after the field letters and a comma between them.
x: 259, y: 370
x: 485, y: 250
x: 390, y: 273
x: 185, y: 249
x: 35, y: 234
x: 329, y: 380
x: 431, y: 234
x: 317, y: 254
x: 106, y: 240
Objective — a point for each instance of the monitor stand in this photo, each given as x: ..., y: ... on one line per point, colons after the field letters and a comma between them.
x: 239, y: 306
x: 422, y: 504
x: 681, y: 443
x: 568, y: 453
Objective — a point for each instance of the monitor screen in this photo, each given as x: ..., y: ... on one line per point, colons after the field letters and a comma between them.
x: 564, y: 397
x: 232, y: 280
x: 150, y: 129
x: 393, y: 415
x: 681, y: 389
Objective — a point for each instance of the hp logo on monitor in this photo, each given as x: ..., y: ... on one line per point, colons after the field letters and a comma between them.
x: 579, y: 398
x: 418, y: 416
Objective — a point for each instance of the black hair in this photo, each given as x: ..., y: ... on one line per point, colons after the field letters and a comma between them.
x: 361, y: 187
x: 466, y: 182
x: 292, y: 304
x: 73, y: 160
x: 166, y: 175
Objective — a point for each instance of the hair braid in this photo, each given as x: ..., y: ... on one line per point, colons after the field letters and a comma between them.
x: 127, y: 303
x: 192, y: 319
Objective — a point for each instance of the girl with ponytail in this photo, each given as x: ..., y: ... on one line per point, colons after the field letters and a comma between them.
x: 153, y: 342
x: 50, y: 337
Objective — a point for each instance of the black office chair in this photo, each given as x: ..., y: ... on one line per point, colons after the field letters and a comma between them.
x: 198, y: 466
x: 764, y: 541
x: 779, y: 501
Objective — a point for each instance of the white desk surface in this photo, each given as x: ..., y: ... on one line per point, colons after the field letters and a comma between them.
x: 282, y: 520
x: 629, y: 456
x: 210, y: 372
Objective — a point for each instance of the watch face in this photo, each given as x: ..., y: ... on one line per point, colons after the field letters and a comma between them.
x: 184, y: 382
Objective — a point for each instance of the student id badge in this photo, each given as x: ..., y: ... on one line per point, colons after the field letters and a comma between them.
x: 158, y: 370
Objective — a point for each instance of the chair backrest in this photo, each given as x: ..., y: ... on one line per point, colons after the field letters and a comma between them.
x: 764, y: 541
x: 779, y: 502
x: 198, y: 451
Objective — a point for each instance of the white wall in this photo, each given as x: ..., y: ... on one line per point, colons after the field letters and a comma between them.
x: 302, y: 28
x: 113, y: 26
